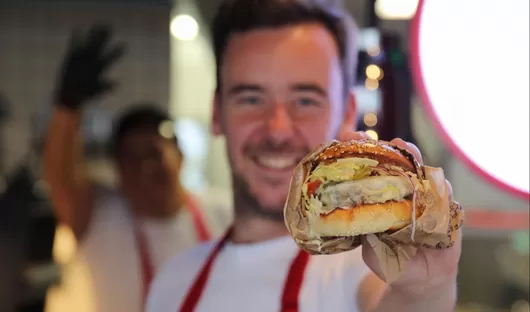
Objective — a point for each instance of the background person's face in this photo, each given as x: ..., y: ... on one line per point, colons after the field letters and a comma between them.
x: 282, y: 95
x: 149, y: 166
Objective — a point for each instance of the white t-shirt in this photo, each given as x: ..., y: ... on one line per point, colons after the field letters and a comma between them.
x: 251, y: 278
x: 109, y: 249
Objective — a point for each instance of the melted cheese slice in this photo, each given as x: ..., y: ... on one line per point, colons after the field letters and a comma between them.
x: 371, y: 190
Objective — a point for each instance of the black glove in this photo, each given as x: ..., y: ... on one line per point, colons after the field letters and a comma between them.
x: 81, y: 75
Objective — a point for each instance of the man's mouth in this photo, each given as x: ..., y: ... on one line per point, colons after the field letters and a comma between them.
x: 277, y: 163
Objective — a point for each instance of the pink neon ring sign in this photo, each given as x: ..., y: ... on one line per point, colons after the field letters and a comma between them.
x: 435, y: 83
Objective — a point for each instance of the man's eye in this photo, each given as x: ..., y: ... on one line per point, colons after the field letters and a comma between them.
x: 251, y: 100
x: 306, y: 102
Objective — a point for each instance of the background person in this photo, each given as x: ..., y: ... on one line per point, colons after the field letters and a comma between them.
x: 124, y: 236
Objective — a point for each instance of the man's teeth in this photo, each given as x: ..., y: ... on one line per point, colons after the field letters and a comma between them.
x: 277, y: 162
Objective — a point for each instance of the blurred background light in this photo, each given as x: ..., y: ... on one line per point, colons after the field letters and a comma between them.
x: 372, y: 134
x: 165, y: 129
x: 374, y: 72
x: 370, y: 119
x: 371, y: 84
x: 184, y: 27
x: 396, y: 9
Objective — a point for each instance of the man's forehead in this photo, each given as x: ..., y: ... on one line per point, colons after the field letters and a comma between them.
x: 304, y: 49
x: 267, y: 41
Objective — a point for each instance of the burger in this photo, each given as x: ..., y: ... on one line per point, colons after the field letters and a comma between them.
x: 358, y: 187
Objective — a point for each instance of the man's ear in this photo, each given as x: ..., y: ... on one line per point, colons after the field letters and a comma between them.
x: 349, y: 122
x: 217, y: 128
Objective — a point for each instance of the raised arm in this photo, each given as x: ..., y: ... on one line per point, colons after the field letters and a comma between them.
x: 80, y: 80
x: 71, y: 190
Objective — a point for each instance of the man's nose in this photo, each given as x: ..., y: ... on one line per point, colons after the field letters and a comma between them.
x: 280, y: 124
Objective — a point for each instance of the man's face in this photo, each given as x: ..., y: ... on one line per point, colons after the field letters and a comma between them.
x: 149, y: 165
x: 281, y: 96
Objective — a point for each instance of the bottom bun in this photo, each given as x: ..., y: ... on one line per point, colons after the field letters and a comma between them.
x: 365, y: 219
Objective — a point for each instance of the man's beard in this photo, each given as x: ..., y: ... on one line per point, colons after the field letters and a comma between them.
x: 247, y: 205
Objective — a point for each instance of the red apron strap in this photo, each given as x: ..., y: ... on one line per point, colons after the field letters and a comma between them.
x: 198, y: 221
x: 194, y: 293
x: 291, y: 291
x: 294, y: 281
x: 146, y: 265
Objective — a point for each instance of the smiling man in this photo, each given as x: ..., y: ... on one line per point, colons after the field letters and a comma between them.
x: 284, y: 74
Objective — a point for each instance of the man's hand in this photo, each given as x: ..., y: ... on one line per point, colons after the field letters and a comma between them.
x: 430, y: 273
x: 81, y: 75
x: 81, y: 78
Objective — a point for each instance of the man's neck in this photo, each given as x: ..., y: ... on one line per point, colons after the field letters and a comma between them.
x: 256, y: 229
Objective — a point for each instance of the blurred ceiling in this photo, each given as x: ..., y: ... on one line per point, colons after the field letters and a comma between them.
x: 358, y: 9
x: 207, y: 8
x: 146, y: 2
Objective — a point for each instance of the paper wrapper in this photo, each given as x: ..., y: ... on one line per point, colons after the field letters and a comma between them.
x: 435, y: 228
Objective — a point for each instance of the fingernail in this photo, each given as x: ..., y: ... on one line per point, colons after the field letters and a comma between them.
x: 363, y: 134
x: 399, y: 142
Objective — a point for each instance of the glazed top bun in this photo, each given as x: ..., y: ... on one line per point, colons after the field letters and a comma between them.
x: 381, y: 151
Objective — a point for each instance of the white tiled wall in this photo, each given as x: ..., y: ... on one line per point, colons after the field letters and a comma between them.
x: 33, y: 39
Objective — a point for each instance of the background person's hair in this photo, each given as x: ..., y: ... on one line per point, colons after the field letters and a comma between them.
x: 142, y: 116
x: 236, y: 16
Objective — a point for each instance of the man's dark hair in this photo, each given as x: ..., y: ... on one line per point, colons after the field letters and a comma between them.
x: 144, y: 116
x: 236, y: 16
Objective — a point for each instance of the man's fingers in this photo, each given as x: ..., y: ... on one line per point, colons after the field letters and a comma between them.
x: 98, y: 37
x: 107, y: 86
x: 112, y: 56
x: 370, y: 257
x: 450, y: 190
x: 351, y: 136
x: 411, y: 148
x: 76, y: 39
